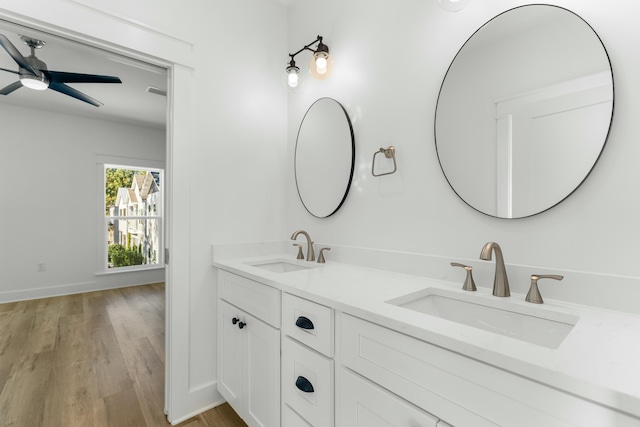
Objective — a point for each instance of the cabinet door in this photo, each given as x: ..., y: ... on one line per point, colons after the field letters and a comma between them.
x: 261, y: 397
x: 364, y: 404
x: 230, y: 355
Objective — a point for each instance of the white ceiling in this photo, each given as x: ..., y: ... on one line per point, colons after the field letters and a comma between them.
x: 127, y: 102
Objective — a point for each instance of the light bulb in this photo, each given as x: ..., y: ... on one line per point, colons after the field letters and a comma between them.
x: 321, y: 65
x: 292, y: 74
x: 292, y: 79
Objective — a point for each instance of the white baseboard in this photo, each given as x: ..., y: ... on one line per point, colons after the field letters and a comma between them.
x: 217, y: 401
x: 112, y: 281
x: 51, y: 291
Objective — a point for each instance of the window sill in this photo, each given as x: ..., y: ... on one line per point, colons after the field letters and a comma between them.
x: 128, y: 270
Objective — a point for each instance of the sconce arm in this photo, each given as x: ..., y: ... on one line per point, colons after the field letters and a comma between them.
x: 307, y: 47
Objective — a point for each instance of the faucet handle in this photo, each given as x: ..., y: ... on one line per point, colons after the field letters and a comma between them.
x: 300, y: 254
x: 321, y: 256
x: 469, y: 284
x: 534, y: 293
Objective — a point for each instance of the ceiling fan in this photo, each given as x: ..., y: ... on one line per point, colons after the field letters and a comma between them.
x: 33, y: 73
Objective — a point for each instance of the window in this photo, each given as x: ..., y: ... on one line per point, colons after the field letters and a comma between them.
x: 133, y: 217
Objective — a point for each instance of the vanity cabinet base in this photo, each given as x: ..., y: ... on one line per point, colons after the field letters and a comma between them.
x: 361, y: 403
x: 458, y: 389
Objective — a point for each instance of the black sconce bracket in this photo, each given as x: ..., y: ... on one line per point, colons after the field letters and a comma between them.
x: 321, y: 48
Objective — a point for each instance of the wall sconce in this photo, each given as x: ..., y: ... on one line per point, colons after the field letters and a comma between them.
x: 453, y: 5
x: 320, y: 66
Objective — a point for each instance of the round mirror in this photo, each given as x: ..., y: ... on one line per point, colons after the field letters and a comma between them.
x: 524, y: 111
x: 324, y: 158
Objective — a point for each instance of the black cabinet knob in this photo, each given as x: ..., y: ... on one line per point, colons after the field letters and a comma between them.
x: 304, y: 323
x: 241, y: 325
x: 235, y: 320
x: 304, y: 384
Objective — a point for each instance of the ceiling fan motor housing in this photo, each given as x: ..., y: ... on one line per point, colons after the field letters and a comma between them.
x: 36, y: 63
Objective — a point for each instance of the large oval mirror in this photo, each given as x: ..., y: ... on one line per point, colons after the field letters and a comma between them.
x: 324, y: 157
x: 524, y: 111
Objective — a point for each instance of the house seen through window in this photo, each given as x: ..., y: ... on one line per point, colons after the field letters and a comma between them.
x: 133, y: 216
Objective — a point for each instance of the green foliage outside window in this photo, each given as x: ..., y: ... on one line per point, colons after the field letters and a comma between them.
x: 116, y: 179
x: 121, y: 257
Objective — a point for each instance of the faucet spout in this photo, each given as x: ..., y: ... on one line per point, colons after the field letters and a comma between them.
x: 500, y: 281
x: 311, y: 256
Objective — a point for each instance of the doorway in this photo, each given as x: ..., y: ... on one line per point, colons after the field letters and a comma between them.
x: 138, y: 60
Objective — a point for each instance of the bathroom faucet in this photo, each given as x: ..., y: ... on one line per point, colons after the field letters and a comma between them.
x: 310, y: 255
x: 500, y: 282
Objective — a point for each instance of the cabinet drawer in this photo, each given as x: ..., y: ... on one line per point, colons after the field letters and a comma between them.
x: 291, y: 418
x: 308, y: 322
x: 458, y: 389
x: 361, y: 403
x: 261, y: 301
x: 305, y: 369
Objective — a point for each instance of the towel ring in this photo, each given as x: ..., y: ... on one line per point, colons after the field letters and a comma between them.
x: 389, y: 153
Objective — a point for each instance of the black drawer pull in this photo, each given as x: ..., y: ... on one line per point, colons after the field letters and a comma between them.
x: 234, y: 320
x: 303, y: 384
x: 304, y: 323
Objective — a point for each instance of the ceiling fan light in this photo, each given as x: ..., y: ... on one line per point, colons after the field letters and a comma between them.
x: 34, y: 82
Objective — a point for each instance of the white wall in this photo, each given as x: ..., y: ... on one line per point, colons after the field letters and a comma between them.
x: 238, y: 156
x: 390, y: 58
x: 50, y: 200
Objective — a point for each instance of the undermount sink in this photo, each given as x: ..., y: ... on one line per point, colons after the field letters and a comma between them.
x: 503, y: 317
x: 279, y: 266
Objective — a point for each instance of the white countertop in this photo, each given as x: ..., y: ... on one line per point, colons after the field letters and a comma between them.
x: 599, y: 360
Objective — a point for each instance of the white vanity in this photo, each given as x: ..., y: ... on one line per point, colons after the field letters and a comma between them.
x: 343, y: 345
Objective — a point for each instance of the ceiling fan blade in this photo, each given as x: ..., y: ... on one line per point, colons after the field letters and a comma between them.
x: 9, y: 71
x: 63, y: 77
x: 68, y: 90
x: 16, y: 55
x: 8, y: 89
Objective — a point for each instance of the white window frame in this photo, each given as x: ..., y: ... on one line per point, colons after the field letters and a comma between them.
x: 104, y: 162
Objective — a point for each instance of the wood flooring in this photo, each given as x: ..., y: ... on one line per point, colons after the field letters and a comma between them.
x: 95, y: 359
